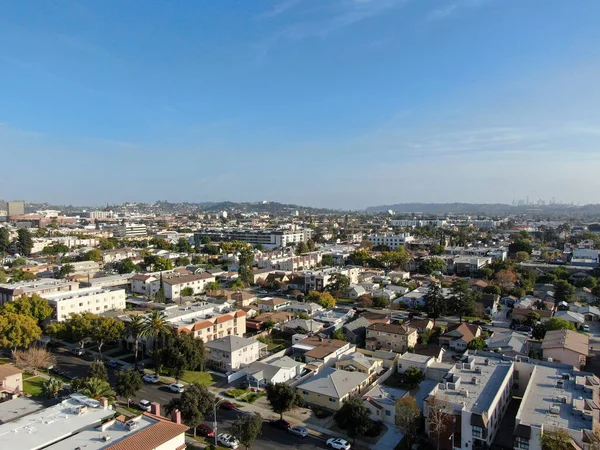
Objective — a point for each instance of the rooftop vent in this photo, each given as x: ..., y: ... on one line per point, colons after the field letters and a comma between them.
x: 464, y: 393
x: 486, y: 361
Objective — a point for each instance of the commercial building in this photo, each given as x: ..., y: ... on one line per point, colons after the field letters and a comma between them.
x: 95, y: 300
x: 234, y: 352
x: 270, y: 238
x: 392, y: 241
x: 472, y: 399
x: 15, y: 208
x: 41, y: 287
x: 131, y: 230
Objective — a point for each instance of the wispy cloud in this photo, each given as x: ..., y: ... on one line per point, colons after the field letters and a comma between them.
x: 455, y: 7
x: 279, y: 8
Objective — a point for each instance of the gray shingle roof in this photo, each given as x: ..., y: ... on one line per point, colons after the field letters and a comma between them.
x: 333, y: 383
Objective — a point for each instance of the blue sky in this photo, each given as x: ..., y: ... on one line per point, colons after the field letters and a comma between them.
x: 338, y: 103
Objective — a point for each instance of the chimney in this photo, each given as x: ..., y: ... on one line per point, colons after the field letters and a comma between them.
x: 176, y: 416
x: 103, y: 402
x: 155, y: 408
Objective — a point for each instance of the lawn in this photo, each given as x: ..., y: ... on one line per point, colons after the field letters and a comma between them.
x: 236, y: 392
x: 205, y: 378
x: 33, y: 386
x: 252, y: 397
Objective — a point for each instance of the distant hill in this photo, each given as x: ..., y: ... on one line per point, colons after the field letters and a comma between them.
x: 484, y: 209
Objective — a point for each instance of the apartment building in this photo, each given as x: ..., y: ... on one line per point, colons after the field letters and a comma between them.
x: 395, y: 337
x: 176, y: 282
x: 218, y: 326
x: 317, y: 280
x: 100, y: 215
x: 291, y: 263
x: 41, y: 287
x: 392, y: 241
x: 315, y: 349
x: 417, y: 223
x: 234, y: 352
x: 269, y: 238
x: 473, y: 398
x: 93, y: 300
x: 131, y: 230
x: 566, y: 347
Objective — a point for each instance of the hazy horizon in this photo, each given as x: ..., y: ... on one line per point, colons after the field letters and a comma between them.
x: 341, y: 104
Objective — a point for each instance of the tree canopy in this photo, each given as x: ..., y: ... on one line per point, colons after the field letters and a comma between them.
x: 281, y: 397
x: 353, y: 417
x: 247, y: 428
x: 18, y: 331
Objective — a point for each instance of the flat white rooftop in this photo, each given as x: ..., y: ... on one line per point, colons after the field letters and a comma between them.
x: 188, y: 314
x: 50, y: 425
x: 78, y: 293
x: 42, y: 283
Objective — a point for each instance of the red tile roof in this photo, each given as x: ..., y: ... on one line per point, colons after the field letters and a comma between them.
x: 152, y: 436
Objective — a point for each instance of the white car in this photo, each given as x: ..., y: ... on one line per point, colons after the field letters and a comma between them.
x: 227, y: 440
x: 177, y: 387
x: 338, y: 444
x: 586, y: 328
x: 151, y: 378
x: 144, y: 405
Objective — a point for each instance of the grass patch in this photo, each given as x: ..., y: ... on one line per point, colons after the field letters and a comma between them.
x: 345, y: 301
x: 33, y: 386
x: 321, y: 413
x: 234, y: 393
x: 252, y: 397
x: 205, y: 378
x: 474, y: 319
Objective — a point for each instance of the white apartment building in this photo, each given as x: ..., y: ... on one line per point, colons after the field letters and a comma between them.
x: 317, y: 280
x: 270, y: 238
x: 41, y: 287
x: 173, y: 282
x: 100, y: 215
x: 290, y: 263
x: 130, y: 230
x: 391, y: 240
x: 416, y: 223
x: 93, y: 300
x: 477, y: 392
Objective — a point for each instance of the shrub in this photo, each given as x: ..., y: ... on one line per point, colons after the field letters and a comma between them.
x: 375, y: 428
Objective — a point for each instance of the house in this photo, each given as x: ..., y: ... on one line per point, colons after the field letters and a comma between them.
x: 395, y: 337
x: 216, y: 327
x: 508, y: 343
x: 357, y: 362
x: 590, y: 313
x: 398, y: 275
x: 233, y: 352
x: 93, y: 300
x: 273, y: 304
x: 489, y: 303
x: 388, y: 294
x: 334, y: 317
x: 258, y: 322
x: 566, y: 347
x: 356, y: 331
x: 330, y: 387
x: 575, y: 318
x: 243, y: 298
x: 278, y: 370
x: 435, y: 351
x: 521, y: 314
x: 260, y: 276
x: 479, y: 285
x: 315, y: 349
x: 414, y: 298
x: 421, y: 325
x: 584, y: 294
x: 356, y: 291
x: 309, y: 308
x: 381, y: 402
x: 307, y: 326
x: 11, y: 381
x: 421, y: 362
x: 458, y: 336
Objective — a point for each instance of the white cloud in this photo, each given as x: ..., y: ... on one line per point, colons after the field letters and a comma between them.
x: 454, y: 7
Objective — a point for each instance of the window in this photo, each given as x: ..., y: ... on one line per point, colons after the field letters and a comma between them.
x: 477, y: 432
x: 332, y: 400
x: 522, y: 443
x: 388, y: 412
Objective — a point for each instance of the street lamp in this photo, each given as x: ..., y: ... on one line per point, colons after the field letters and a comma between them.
x: 217, y: 403
x: 452, y: 438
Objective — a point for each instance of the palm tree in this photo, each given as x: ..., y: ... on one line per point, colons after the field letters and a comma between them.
x: 156, y: 325
x: 51, y: 387
x: 96, y: 388
x: 213, y: 286
x: 237, y: 284
x: 134, y: 330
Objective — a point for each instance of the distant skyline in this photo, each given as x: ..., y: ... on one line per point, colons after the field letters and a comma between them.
x: 328, y: 103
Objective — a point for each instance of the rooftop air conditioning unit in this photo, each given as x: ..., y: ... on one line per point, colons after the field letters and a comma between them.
x: 106, y: 438
x: 477, y: 369
x: 486, y: 361
x: 464, y: 393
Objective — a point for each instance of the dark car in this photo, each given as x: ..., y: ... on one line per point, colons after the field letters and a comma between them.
x: 479, y: 322
x: 227, y: 405
x: 205, y: 430
x: 112, y: 364
x: 525, y: 329
x: 280, y: 423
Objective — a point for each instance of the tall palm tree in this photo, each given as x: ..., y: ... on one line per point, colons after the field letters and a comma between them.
x: 96, y: 388
x: 134, y: 330
x: 157, y: 326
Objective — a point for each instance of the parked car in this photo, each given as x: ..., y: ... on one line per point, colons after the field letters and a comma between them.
x: 479, y: 322
x: 227, y: 405
x: 144, y: 405
x: 586, y: 328
x: 112, y: 364
x: 525, y: 329
x: 205, y: 430
x: 338, y: 444
x: 77, y: 351
x: 151, y: 378
x: 299, y: 431
x: 280, y: 423
x: 227, y: 440
x: 176, y: 387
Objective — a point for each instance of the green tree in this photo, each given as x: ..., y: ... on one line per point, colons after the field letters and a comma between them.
x: 301, y: 248
x: 127, y: 266
x: 461, y: 300
x: 18, y: 262
x: 281, y: 397
x: 79, y: 327
x: 522, y: 256
x: 325, y: 299
x: 237, y: 284
x: 184, y: 246
x: 213, y: 286
x: 247, y: 428
x: 159, y: 243
x: 435, y: 303
x: 558, y: 439
x: 327, y: 260
x: 134, y: 331
x: 431, y: 265
x: 97, y: 369
x: 32, y: 306
x: 380, y: 302
x: 18, y: 331
x: 556, y: 323
x: 55, y: 249
x: 492, y: 289
x: 51, y: 387
x: 246, y: 259
x: 93, y: 255
x: 4, y: 240
x: 359, y: 257
x: 24, y: 242
x: 182, y: 261
x: 106, y: 329
x: 353, y: 417
x: 476, y: 344
x: 21, y: 275
x: 564, y: 291
x: 96, y: 388
x: 194, y: 403
x: 412, y: 377
x: 156, y: 326
x: 408, y: 418
x: 339, y: 284
x: 437, y: 250
x: 129, y: 382
x: 339, y: 335
x: 66, y: 270
x: 187, y: 292
x: 162, y: 264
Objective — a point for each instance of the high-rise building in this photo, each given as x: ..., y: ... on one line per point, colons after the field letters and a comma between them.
x: 15, y: 208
